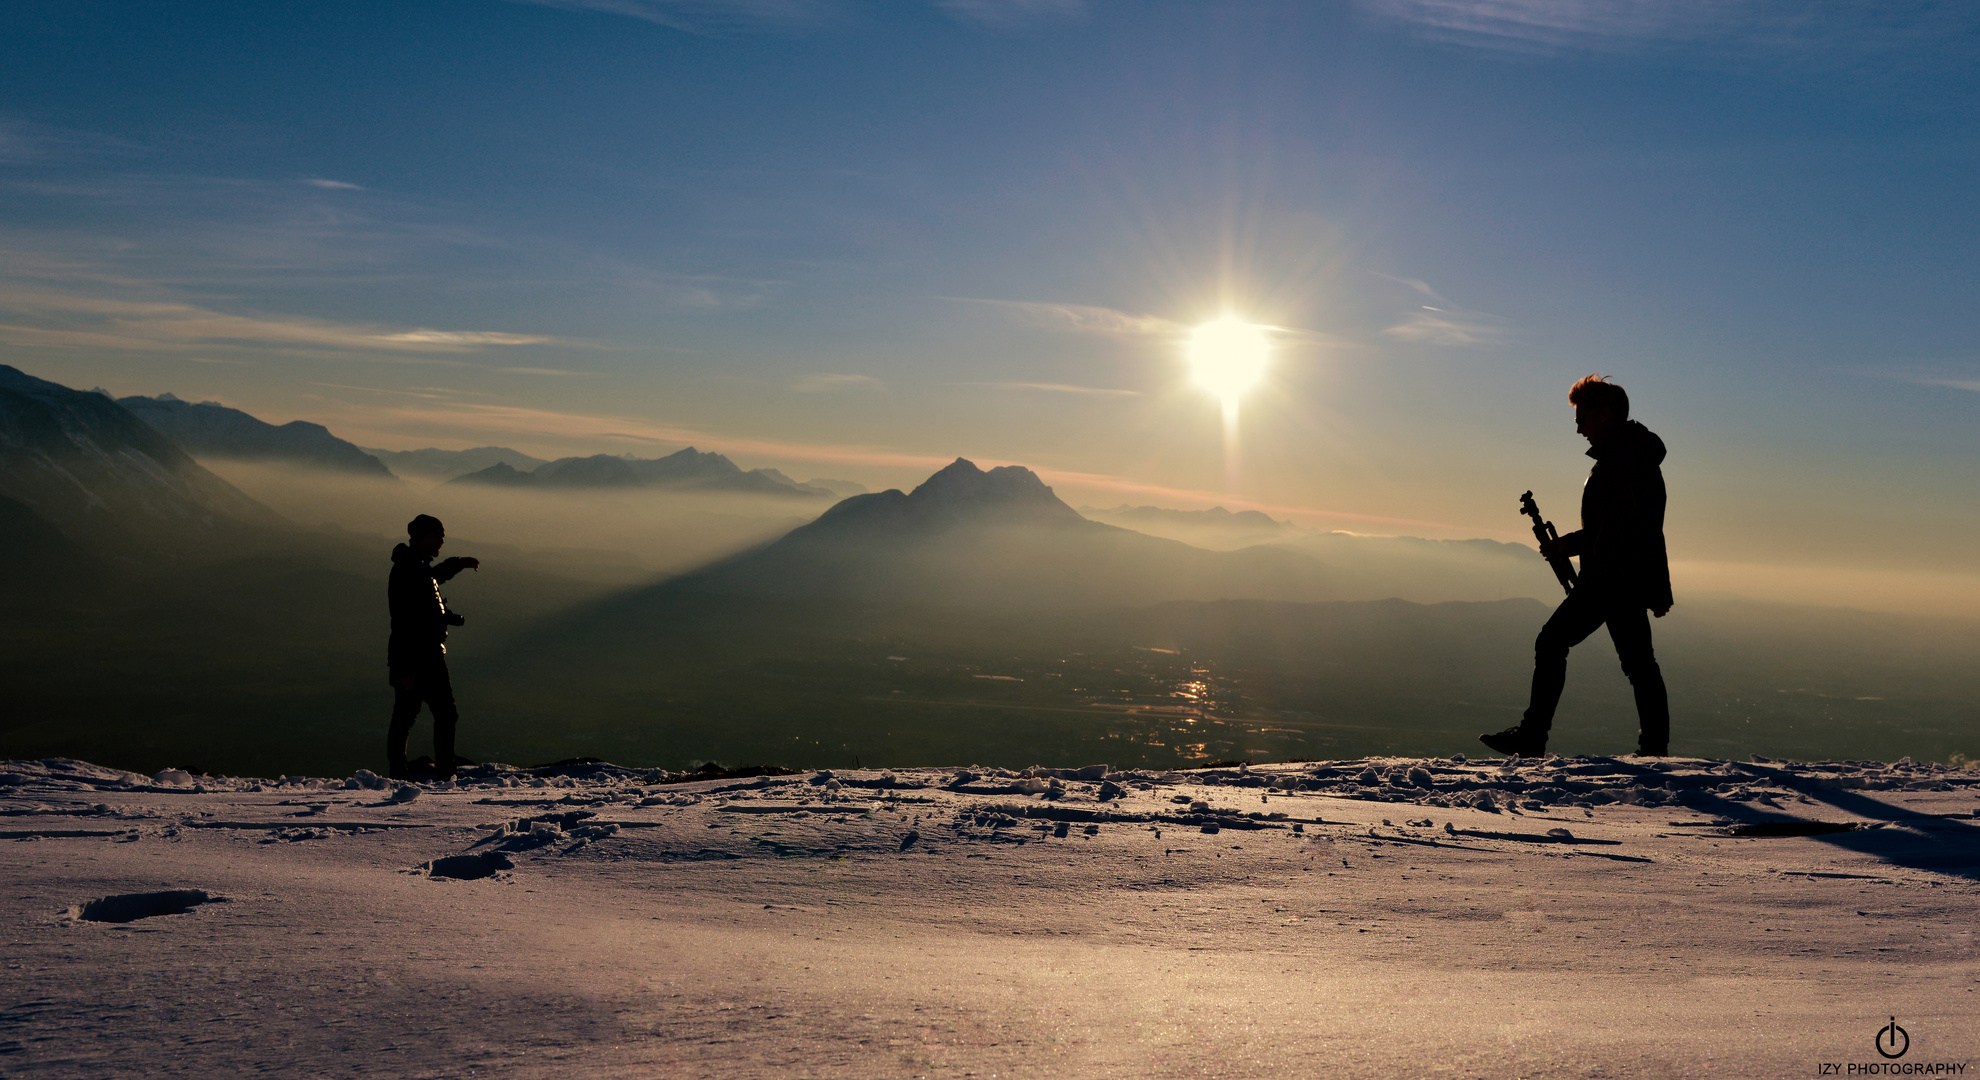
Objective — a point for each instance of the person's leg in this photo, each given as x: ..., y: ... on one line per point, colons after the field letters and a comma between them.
x: 405, y: 710
x: 439, y: 692
x: 1630, y: 630
x: 1572, y: 622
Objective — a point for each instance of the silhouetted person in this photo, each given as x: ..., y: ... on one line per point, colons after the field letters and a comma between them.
x: 1624, y: 572
x: 416, y: 656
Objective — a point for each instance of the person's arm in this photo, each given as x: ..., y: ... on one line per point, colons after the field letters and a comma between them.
x: 1569, y: 544
x: 449, y: 567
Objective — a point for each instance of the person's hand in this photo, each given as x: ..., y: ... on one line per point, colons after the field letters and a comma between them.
x: 469, y: 563
x: 1660, y: 612
x: 1549, y: 549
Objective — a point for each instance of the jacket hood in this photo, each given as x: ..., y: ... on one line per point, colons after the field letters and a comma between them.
x: 404, y: 553
x: 1633, y: 443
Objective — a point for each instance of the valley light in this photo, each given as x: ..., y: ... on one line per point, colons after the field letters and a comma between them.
x: 1228, y: 357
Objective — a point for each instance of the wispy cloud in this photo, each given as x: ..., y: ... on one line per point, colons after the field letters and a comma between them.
x: 1082, y: 318
x: 1435, y: 326
x: 829, y: 383
x: 1010, y: 13
x: 1734, y: 26
x: 24, y: 142
x: 332, y: 185
x: 1413, y: 283
x: 1056, y: 388
x: 429, y: 393
x: 51, y: 317
x: 704, y: 16
x: 1441, y: 322
x: 460, y: 338
x: 1929, y: 378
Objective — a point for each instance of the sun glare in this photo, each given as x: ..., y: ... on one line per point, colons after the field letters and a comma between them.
x: 1228, y: 357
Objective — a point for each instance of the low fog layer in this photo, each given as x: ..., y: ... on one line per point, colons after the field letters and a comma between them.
x: 160, y: 612
x: 648, y: 532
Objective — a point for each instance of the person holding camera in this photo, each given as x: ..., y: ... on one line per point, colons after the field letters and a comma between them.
x: 416, y: 655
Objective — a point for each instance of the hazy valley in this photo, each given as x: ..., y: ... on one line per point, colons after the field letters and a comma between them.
x: 230, y: 616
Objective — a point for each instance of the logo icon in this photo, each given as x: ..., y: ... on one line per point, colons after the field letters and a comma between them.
x: 1892, y: 1040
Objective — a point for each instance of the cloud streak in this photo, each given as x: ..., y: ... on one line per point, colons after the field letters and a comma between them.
x: 1950, y: 383
x: 829, y: 383
x: 1005, y: 14
x: 1728, y: 26
x: 1082, y: 318
x: 1056, y: 388
x: 703, y: 16
x: 1435, y: 326
x: 59, y: 319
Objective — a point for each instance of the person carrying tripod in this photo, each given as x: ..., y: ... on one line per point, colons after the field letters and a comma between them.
x: 1625, y: 572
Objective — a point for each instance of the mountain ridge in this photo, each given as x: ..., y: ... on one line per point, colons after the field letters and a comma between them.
x: 683, y: 470
x: 434, y: 462
x: 210, y: 429
x: 100, y: 476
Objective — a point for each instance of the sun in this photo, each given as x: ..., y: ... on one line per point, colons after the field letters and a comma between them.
x: 1228, y: 356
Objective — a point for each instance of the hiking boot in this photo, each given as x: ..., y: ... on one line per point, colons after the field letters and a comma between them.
x: 1516, y: 742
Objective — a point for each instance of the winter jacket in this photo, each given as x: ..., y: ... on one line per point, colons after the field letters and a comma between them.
x: 419, y: 616
x: 1621, y: 539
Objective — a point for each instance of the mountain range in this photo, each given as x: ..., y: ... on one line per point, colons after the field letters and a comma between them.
x: 433, y: 464
x: 208, y: 429
x: 683, y: 470
x: 1254, y: 525
x: 89, y: 470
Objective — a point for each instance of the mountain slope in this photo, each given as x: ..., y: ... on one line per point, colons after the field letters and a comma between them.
x: 212, y: 430
x: 104, y: 478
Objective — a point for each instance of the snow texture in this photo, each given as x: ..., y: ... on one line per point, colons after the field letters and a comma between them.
x: 1562, y: 917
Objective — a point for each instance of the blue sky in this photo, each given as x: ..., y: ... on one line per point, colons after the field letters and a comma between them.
x: 861, y: 239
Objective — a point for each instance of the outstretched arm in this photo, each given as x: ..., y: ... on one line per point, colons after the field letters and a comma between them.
x: 449, y: 567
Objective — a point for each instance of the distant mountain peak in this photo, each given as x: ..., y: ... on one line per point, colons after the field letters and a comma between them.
x: 962, y: 486
x: 959, y: 495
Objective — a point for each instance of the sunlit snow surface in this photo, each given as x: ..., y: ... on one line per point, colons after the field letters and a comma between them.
x: 1385, y: 917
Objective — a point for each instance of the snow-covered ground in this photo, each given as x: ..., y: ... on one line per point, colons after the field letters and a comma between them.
x: 1564, y: 917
